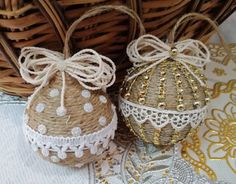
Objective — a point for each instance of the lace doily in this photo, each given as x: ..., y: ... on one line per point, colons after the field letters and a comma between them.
x: 160, y: 118
x: 77, y: 144
x: 154, y: 166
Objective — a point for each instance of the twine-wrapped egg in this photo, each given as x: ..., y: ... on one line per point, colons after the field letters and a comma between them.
x: 164, y: 95
x: 69, y: 119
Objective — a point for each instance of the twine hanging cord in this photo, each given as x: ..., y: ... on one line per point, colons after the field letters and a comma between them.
x: 151, y: 51
x: 92, y: 70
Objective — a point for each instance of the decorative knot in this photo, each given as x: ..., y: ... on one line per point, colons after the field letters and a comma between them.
x: 61, y: 66
x: 150, y: 51
x: 91, y: 70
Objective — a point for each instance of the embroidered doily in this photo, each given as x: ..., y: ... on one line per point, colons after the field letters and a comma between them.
x: 160, y: 118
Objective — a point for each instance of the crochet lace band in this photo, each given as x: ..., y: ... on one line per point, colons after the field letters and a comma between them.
x: 160, y: 118
x: 77, y: 144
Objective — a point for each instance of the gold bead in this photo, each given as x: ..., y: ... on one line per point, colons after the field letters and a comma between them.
x: 180, y: 107
x: 195, y: 95
x: 142, y: 92
x: 146, y: 77
x: 141, y: 100
x: 191, y: 81
x: 127, y: 95
x: 161, y: 96
x: 195, y: 88
x: 179, y: 82
x: 197, y: 104
x: 173, y: 52
x: 180, y: 90
x: 162, y: 105
x: 207, y: 99
x: 144, y: 85
x: 177, y: 75
x: 180, y: 100
x: 163, y: 79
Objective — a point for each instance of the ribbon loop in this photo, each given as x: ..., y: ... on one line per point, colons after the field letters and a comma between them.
x: 151, y: 51
x: 91, y: 70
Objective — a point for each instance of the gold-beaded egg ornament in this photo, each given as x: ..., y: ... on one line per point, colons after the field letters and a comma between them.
x: 164, y: 95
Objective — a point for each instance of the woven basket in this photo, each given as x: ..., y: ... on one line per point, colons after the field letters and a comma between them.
x: 44, y: 23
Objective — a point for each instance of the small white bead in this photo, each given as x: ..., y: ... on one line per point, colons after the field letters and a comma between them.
x: 54, y: 93
x: 103, y: 99
x: 55, y: 159
x: 102, y: 120
x: 40, y: 107
x: 42, y: 129
x: 76, y: 131
x: 86, y: 94
x: 61, y: 111
x: 88, y: 107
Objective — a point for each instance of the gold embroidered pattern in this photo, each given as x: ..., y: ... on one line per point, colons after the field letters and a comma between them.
x: 219, y: 72
x: 219, y: 55
x: 221, y: 87
x: 197, y: 160
x: 221, y: 133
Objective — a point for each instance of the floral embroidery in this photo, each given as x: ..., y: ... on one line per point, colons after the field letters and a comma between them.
x: 221, y: 133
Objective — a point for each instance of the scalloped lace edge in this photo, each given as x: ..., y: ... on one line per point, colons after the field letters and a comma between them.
x: 160, y: 118
x: 62, y: 145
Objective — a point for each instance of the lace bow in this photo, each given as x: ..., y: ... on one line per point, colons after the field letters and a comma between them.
x: 151, y: 51
x: 91, y: 70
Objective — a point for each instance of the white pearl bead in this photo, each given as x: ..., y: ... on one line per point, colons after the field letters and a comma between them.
x: 76, y: 131
x: 61, y: 111
x: 86, y: 93
x: 102, y: 120
x: 55, y: 159
x: 42, y: 129
x: 54, y: 93
x: 88, y: 107
x: 103, y: 99
x: 40, y: 107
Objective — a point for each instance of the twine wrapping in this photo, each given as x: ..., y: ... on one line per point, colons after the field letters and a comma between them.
x: 150, y: 50
x: 91, y: 70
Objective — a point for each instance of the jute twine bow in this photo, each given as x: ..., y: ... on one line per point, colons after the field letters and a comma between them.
x: 92, y: 70
x: 151, y: 51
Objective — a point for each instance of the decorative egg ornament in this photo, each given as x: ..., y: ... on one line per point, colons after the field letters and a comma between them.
x: 164, y: 95
x: 69, y: 119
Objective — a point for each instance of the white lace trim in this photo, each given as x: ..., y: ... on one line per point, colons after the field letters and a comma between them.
x: 160, y: 118
x: 77, y: 144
